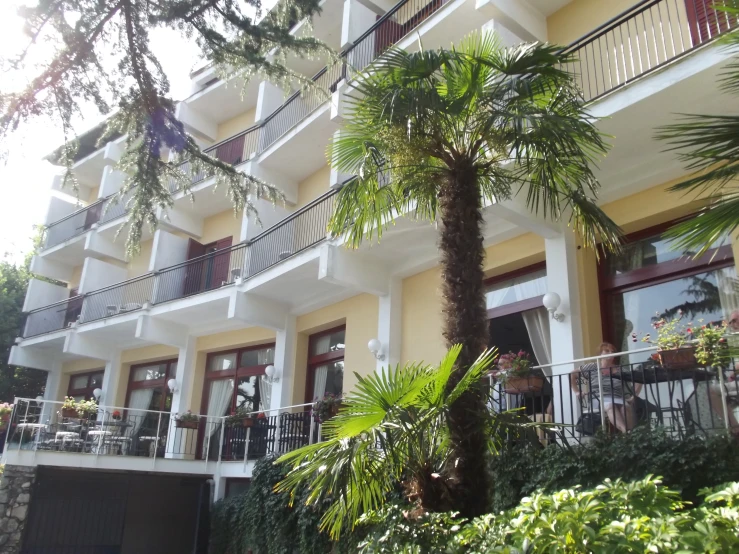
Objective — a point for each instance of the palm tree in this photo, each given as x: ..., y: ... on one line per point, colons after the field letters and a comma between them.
x: 440, y: 133
x: 709, y: 147
x: 393, y: 430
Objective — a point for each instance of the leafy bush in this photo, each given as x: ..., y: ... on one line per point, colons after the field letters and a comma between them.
x: 616, y: 516
x: 688, y: 465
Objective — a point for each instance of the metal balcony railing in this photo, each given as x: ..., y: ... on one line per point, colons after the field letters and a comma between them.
x: 304, y: 228
x: 642, y: 39
x: 576, y: 399
x: 72, y: 225
x: 44, y: 425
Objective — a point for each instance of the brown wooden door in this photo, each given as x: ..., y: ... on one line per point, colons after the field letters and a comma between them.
x: 706, y: 22
x: 194, y: 271
x: 93, y: 215
x: 232, y: 152
x: 74, y: 307
x: 386, y: 35
x: 221, y: 264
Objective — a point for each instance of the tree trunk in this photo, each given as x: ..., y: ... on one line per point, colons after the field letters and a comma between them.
x: 465, y: 323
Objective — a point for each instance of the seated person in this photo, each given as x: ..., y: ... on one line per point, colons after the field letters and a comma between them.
x: 618, y: 400
x: 714, y: 390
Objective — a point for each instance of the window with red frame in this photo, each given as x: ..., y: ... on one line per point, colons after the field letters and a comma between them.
x: 326, y: 364
x: 650, y: 280
x: 147, y: 386
x: 234, y: 380
x: 81, y: 385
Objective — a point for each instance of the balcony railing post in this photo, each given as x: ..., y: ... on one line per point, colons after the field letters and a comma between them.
x: 722, y: 393
x: 246, y: 447
x: 156, y: 443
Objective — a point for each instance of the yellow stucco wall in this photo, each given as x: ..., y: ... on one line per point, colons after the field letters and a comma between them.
x: 422, y: 317
x: 222, y: 225
x: 139, y: 264
x: 235, y: 125
x: 74, y: 280
x: 94, y: 191
x: 360, y: 315
x: 314, y: 186
x: 581, y: 17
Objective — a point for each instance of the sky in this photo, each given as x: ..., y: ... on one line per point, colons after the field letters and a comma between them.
x: 25, y: 178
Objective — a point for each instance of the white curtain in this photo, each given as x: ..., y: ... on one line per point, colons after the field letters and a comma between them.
x: 322, y: 345
x: 139, y: 400
x: 728, y: 291
x: 319, y: 381
x: 495, y: 298
x: 530, y: 288
x: 265, y: 393
x: 219, y: 399
x: 537, y: 325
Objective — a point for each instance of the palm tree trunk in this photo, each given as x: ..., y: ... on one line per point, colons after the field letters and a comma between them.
x: 465, y: 323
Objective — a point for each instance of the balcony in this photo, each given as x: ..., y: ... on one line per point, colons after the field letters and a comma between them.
x: 127, y: 438
x: 301, y: 230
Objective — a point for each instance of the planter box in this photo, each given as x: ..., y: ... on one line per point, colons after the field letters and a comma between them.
x: 679, y: 358
x: 70, y: 413
x: 244, y: 422
x: 187, y: 424
x: 530, y: 384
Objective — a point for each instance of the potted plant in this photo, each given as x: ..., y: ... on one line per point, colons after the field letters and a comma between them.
x: 672, y: 341
x: 69, y: 408
x: 116, y: 415
x: 711, y: 347
x: 240, y: 417
x: 5, y: 411
x: 514, y: 373
x: 326, y: 408
x: 188, y: 420
x: 87, y: 409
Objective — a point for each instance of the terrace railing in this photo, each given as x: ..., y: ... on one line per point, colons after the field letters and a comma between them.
x: 44, y: 425
x: 575, y: 400
x: 72, y: 225
x: 304, y: 228
x: 642, y: 39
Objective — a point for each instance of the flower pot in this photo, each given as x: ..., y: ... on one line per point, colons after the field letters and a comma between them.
x: 521, y: 385
x: 678, y: 358
x: 70, y: 413
x: 188, y: 424
x: 243, y: 422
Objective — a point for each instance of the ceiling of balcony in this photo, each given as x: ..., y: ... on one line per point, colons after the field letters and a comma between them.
x: 548, y: 7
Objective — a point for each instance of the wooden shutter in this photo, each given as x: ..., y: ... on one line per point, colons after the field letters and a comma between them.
x: 232, y: 152
x: 74, y: 307
x: 706, y: 22
x: 194, y: 270
x: 387, y: 34
x: 221, y: 263
x: 93, y: 215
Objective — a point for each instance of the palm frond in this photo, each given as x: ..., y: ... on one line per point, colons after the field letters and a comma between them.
x: 716, y: 222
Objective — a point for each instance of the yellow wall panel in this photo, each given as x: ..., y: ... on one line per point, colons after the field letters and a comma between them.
x: 220, y: 226
x: 235, y: 125
x: 580, y: 17
x: 139, y: 264
x: 314, y: 186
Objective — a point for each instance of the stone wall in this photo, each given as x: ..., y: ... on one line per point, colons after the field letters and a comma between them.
x: 15, y: 495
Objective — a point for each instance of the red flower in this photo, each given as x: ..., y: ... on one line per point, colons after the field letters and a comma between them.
x: 688, y: 330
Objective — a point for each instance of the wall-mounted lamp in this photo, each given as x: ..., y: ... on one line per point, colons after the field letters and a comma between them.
x: 551, y: 302
x: 273, y: 374
x: 375, y: 346
x: 97, y: 393
x: 172, y: 384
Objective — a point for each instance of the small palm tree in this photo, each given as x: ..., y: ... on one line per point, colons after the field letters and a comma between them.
x: 392, y: 429
x: 709, y: 147
x: 441, y: 133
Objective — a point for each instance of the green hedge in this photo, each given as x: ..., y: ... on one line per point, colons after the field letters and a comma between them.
x: 687, y: 464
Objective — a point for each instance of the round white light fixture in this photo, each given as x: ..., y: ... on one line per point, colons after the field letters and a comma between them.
x: 273, y: 374
x: 551, y: 302
x: 172, y: 384
x: 375, y: 347
x: 97, y: 393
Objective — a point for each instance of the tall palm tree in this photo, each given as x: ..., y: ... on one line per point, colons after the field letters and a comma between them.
x: 709, y: 147
x: 441, y: 133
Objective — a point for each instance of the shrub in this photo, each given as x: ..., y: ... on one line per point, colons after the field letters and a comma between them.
x: 688, y: 464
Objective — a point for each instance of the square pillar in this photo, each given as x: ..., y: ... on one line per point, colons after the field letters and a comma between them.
x: 566, y: 336
x: 285, y: 348
x: 389, y: 324
x: 52, y: 392
x: 111, y: 380
x: 181, y: 442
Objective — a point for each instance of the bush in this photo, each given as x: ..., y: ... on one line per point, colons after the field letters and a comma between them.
x: 688, y: 465
x: 642, y: 516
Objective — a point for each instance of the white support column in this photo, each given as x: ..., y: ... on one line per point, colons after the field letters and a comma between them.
x: 181, y: 443
x: 270, y: 98
x: 389, y: 324
x: 565, y: 336
x: 285, y: 346
x: 52, y: 391
x: 111, y: 380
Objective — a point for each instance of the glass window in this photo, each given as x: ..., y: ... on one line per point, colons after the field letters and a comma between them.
x: 261, y: 356
x: 96, y: 380
x: 222, y: 362
x: 513, y: 290
x: 710, y: 296
x: 647, y: 252
x: 79, y: 382
x: 150, y: 373
x: 328, y: 343
x: 328, y: 379
x: 236, y: 487
x: 253, y: 394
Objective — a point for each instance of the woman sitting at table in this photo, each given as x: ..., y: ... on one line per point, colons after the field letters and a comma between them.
x: 716, y: 393
x: 618, y: 403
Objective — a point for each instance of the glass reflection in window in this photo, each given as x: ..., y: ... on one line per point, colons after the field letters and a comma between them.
x: 513, y: 290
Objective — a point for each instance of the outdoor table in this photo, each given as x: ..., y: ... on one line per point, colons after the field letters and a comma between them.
x: 33, y: 428
x: 98, y: 439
